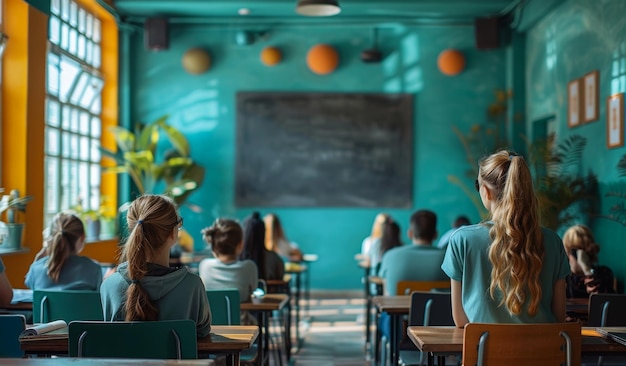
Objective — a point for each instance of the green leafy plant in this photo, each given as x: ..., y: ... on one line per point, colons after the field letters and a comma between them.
x: 12, y: 203
x: 617, y: 211
x: 137, y: 157
x: 563, y: 192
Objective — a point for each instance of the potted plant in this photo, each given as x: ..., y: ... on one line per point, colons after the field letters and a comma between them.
x: 13, y: 204
x: 99, y: 223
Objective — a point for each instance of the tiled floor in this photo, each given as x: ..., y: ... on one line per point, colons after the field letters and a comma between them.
x: 330, y: 332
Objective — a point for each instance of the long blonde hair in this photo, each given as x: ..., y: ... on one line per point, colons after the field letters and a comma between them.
x: 273, y: 231
x: 580, y: 237
x: 61, y: 239
x: 151, y: 219
x: 377, y: 226
x: 516, y: 251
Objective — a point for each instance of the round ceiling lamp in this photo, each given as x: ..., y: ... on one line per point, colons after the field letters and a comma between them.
x: 451, y: 62
x: 318, y: 8
x: 196, y: 61
x: 322, y: 59
x: 271, y: 56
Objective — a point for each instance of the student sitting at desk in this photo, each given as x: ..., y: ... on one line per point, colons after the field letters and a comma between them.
x: 226, y: 270
x: 269, y: 264
x: 6, y: 291
x: 389, y: 239
x: 508, y: 269
x: 144, y: 287
x: 276, y: 240
x: 58, y: 266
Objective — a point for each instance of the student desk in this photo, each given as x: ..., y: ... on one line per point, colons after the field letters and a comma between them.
x: 228, y: 339
x: 396, y: 307
x: 263, y: 307
x: 443, y: 341
x: 63, y: 361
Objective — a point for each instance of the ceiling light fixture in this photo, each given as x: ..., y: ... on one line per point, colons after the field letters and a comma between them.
x: 318, y: 8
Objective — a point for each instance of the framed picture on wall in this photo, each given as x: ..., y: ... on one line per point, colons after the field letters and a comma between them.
x: 574, y: 103
x: 615, y: 121
x: 591, y: 93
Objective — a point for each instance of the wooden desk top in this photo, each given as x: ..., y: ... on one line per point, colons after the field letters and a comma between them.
x: 269, y: 302
x: 223, y: 338
x: 449, y: 340
x: 295, y: 268
x: 61, y: 361
x: 393, y: 304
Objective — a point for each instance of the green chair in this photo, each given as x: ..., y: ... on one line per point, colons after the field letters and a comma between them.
x: 67, y: 305
x: 225, y: 309
x: 11, y: 325
x: 166, y: 339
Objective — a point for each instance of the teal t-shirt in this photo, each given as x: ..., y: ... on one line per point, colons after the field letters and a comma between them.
x: 467, y: 261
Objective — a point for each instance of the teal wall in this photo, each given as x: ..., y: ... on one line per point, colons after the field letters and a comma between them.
x: 577, y: 37
x: 203, y: 107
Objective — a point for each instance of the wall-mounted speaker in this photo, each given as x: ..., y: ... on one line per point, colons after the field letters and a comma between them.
x: 487, y: 33
x: 156, y: 34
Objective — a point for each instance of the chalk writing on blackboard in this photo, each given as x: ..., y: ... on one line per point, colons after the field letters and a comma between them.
x: 324, y: 150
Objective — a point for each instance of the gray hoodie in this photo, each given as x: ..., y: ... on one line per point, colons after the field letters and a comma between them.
x: 178, y: 294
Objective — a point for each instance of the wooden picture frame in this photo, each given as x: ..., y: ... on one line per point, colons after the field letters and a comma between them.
x: 615, y: 121
x: 574, y: 103
x: 591, y: 94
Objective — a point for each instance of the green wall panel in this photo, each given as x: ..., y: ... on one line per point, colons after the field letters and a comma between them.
x: 203, y: 107
x: 576, y: 38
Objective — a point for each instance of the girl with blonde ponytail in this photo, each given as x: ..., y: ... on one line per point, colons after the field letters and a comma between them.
x: 507, y: 269
x: 58, y: 266
x: 144, y: 287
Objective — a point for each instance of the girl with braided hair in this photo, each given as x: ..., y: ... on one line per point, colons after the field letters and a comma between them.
x: 58, y: 266
x: 507, y: 269
x: 144, y: 287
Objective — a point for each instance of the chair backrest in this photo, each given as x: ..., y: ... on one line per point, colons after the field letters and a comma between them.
x: 406, y: 287
x: 430, y: 308
x: 66, y: 305
x: 11, y: 325
x: 607, y: 310
x: 164, y: 339
x: 522, y: 344
x: 225, y: 308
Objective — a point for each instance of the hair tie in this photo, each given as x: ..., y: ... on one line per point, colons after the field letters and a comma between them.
x: 134, y: 282
x: 511, y: 157
x: 139, y: 222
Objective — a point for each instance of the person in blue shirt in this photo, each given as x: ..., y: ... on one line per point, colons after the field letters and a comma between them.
x: 508, y: 269
x: 58, y: 266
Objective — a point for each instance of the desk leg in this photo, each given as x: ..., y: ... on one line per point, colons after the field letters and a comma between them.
x: 393, y: 339
x: 236, y: 359
x: 287, y: 326
x: 266, y: 339
x: 307, y: 291
x: 297, y: 305
x: 431, y: 359
x: 368, y: 315
x: 377, y: 339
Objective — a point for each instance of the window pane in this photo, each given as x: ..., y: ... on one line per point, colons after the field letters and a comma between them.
x: 74, y: 120
x: 96, y: 30
x: 96, y: 106
x: 53, y: 74
x: 55, y: 7
x: 73, y: 14
x: 52, y: 184
x: 96, y: 128
x: 93, y: 89
x: 84, y: 123
x: 83, y: 188
x: 65, y: 122
x: 96, y: 56
x: 52, y: 113
x: 89, y: 25
x: 95, y: 152
x: 69, y: 72
x: 65, y: 36
x: 81, y: 47
x: 74, y: 146
x: 81, y: 20
x: 55, y: 30
x: 65, y: 9
x: 89, y: 52
x: 52, y: 141
x: 73, y: 42
x: 77, y: 93
x: 65, y: 146
x: 84, y: 149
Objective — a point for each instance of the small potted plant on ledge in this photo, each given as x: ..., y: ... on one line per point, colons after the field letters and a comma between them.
x: 13, y: 204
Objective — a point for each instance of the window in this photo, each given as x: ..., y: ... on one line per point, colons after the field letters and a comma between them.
x: 3, y: 41
x: 73, y: 106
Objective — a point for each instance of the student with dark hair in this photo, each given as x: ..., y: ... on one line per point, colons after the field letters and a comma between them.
x: 276, y: 240
x: 225, y: 270
x: 6, y: 291
x: 144, y: 287
x: 507, y: 269
x: 417, y: 262
x: 269, y: 264
x: 58, y: 266
x: 458, y: 222
x: 390, y: 238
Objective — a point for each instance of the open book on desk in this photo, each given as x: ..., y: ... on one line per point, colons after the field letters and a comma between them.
x: 616, y: 334
x: 57, y: 328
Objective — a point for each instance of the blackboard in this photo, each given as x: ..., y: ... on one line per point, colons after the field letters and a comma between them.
x: 324, y: 150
